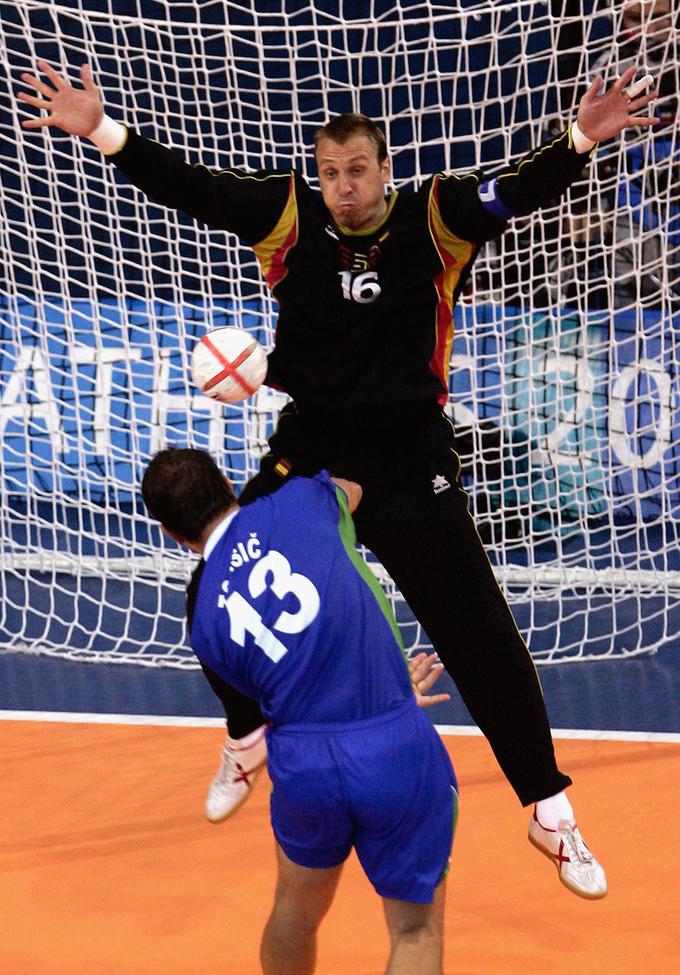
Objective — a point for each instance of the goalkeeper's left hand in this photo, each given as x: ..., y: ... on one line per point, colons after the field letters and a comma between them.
x: 602, y: 115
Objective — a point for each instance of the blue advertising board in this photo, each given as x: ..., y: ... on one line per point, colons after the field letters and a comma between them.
x: 587, y: 405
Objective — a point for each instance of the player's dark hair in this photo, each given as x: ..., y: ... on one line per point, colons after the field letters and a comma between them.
x: 343, y: 127
x: 185, y: 490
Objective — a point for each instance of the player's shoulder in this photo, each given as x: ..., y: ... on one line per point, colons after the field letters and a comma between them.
x: 308, y: 196
x: 445, y: 183
x: 299, y: 496
x: 410, y: 204
x: 458, y: 181
x: 301, y: 509
x: 318, y: 485
x: 308, y: 500
x: 409, y: 195
x: 454, y: 192
x: 250, y: 175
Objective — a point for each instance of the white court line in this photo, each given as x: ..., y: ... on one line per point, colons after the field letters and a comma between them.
x: 83, y: 717
x: 172, y: 721
x: 590, y: 735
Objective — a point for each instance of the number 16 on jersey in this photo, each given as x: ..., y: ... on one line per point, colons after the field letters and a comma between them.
x: 362, y: 288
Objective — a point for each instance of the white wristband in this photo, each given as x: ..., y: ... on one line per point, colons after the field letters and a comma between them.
x: 580, y: 141
x: 109, y: 136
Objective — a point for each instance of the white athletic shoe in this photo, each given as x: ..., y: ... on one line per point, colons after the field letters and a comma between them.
x: 238, y: 770
x: 577, y: 867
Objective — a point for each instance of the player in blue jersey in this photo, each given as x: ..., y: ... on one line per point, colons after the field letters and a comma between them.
x: 288, y: 612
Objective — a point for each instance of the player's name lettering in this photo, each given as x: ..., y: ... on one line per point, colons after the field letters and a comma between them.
x: 244, y: 552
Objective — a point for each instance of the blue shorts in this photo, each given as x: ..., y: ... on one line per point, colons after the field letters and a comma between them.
x: 384, y: 786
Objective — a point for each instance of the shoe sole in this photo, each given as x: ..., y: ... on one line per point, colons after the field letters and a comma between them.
x: 575, y: 890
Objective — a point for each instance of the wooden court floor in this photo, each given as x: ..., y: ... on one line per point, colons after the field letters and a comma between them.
x: 108, y: 866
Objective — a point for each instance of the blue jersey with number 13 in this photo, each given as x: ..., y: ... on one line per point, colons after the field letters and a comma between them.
x: 290, y: 614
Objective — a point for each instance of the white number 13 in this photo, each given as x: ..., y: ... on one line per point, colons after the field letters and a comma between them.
x: 273, y: 572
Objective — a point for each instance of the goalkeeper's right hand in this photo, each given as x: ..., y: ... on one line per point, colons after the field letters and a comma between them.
x: 77, y: 111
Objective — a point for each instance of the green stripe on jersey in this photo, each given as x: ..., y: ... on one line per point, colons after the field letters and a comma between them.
x: 348, y: 536
x: 453, y: 835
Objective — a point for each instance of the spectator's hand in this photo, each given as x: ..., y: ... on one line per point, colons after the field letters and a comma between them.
x: 77, y: 111
x: 602, y: 116
x: 425, y: 671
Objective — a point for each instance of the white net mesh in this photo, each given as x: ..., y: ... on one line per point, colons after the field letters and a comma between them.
x: 565, y: 360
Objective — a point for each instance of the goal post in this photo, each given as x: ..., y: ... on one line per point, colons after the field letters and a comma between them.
x: 565, y: 360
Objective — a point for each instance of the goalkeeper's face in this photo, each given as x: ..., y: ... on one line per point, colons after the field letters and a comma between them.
x: 353, y: 181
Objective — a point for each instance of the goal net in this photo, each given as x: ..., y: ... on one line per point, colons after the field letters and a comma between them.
x: 564, y: 365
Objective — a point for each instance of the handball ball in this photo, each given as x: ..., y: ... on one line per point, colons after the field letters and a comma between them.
x: 228, y: 364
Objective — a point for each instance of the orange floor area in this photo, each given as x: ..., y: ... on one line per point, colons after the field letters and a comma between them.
x: 108, y: 866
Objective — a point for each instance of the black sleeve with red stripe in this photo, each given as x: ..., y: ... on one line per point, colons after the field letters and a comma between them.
x: 243, y: 203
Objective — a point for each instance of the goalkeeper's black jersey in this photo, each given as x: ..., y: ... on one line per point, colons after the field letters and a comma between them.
x: 365, y: 318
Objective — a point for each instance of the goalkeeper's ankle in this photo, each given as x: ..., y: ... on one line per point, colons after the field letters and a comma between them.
x: 550, y: 812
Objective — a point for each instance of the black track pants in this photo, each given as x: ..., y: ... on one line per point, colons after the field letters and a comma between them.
x: 426, y: 539
x: 419, y: 526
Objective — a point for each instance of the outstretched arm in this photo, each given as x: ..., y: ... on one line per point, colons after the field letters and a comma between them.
x: 546, y: 173
x: 477, y: 209
x: 247, y: 204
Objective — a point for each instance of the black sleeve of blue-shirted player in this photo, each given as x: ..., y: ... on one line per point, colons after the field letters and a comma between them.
x: 246, y: 204
x: 242, y: 713
x: 192, y: 591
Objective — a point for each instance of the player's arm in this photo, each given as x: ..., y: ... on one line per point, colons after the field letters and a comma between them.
x: 476, y: 208
x: 353, y: 491
x: 243, y: 203
x: 247, y: 204
x: 548, y: 171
